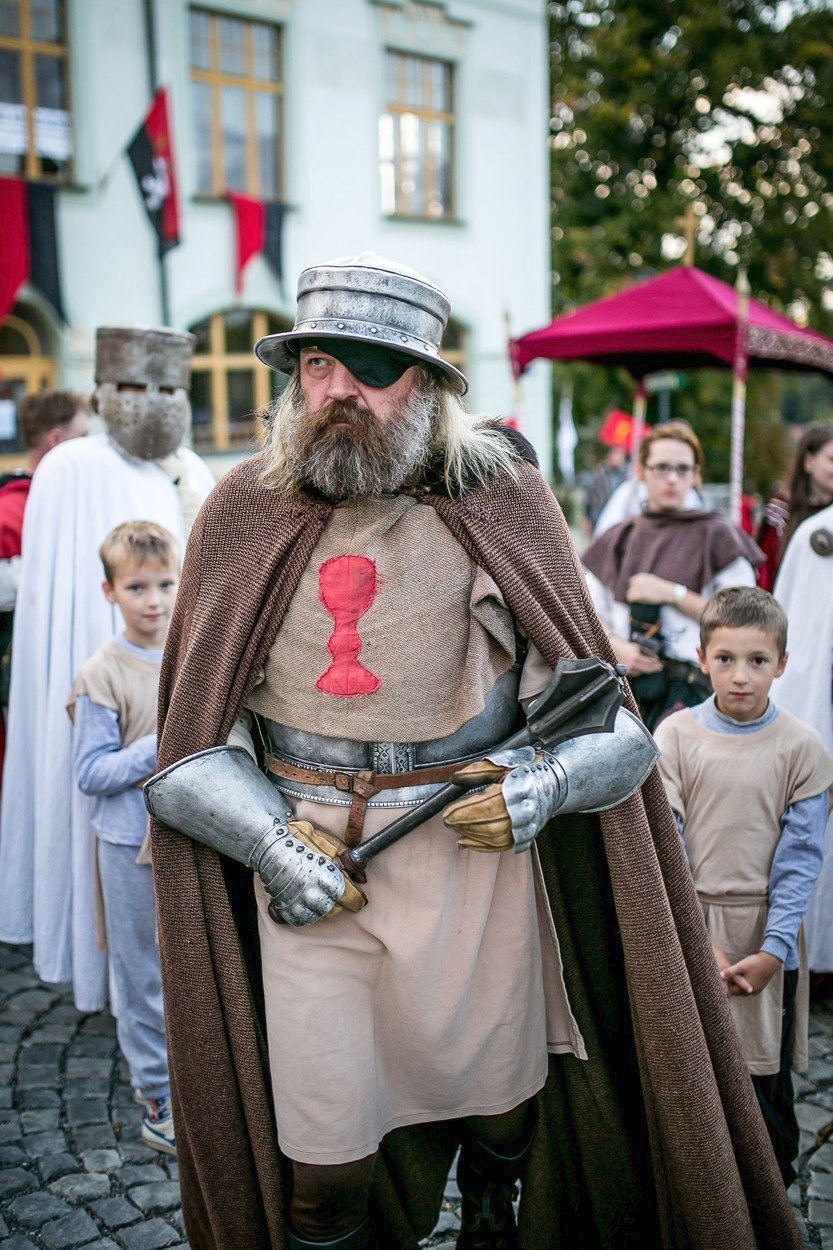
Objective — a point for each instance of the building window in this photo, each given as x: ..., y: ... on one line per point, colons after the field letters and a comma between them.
x: 26, y: 365
x: 416, y: 137
x: 237, y: 105
x: 35, y: 122
x: 230, y: 388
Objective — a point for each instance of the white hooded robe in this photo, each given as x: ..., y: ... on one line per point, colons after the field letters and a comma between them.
x: 81, y: 491
x: 804, y: 587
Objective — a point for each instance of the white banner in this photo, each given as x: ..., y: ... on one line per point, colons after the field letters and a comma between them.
x: 567, y: 437
x: 13, y: 137
x: 53, y: 134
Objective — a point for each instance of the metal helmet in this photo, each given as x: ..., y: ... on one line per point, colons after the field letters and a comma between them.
x: 142, y: 379
x: 366, y: 299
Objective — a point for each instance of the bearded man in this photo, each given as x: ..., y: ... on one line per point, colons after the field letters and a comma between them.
x: 366, y: 607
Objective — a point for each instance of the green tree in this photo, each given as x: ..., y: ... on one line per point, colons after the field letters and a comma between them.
x: 723, y: 109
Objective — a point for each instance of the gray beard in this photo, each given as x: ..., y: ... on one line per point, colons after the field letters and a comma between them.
x: 369, y: 458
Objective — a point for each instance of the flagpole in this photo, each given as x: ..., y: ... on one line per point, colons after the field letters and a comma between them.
x: 150, y: 39
x: 517, y: 394
x: 516, y: 419
x: 739, y: 397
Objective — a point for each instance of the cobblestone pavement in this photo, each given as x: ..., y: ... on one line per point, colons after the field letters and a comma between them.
x: 73, y: 1172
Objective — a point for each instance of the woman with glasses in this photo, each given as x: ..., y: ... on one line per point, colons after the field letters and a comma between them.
x: 651, y: 576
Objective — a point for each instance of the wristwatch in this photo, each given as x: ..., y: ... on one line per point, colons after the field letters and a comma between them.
x: 679, y: 593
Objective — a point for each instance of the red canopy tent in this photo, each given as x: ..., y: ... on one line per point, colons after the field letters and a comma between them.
x: 684, y: 319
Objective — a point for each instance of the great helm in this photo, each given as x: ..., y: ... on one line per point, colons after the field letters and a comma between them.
x: 142, y: 378
x: 366, y: 299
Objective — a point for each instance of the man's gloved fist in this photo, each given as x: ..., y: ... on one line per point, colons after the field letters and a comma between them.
x: 590, y: 773
x: 302, y: 879
x: 221, y: 799
x: 482, y: 819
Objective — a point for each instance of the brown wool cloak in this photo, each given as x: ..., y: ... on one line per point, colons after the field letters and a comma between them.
x: 656, y: 1139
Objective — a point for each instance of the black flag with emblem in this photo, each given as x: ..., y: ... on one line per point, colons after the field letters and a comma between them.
x: 151, y: 156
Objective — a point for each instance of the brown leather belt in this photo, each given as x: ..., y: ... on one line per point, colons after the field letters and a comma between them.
x: 362, y: 785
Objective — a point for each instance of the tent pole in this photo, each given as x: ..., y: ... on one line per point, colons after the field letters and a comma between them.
x: 640, y: 405
x: 739, y: 374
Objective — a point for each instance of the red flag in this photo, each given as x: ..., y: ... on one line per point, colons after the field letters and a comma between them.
x: 151, y: 154
x: 14, y: 254
x: 29, y: 242
x: 250, y: 222
x: 617, y: 429
x: 259, y: 228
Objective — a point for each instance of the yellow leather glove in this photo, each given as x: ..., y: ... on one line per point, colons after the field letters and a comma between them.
x: 481, y: 819
x: 353, y: 898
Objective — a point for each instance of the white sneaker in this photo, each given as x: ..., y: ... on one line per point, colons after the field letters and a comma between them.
x: 158, y: 1125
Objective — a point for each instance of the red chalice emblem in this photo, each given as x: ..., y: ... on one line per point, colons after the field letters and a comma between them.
x: 347, y: 587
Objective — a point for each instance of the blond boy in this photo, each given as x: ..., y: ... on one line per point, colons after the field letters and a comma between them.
x: 113, y: 707
x: 749, y: 784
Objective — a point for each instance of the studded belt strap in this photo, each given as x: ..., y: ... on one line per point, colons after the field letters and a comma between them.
x: 362, y: 785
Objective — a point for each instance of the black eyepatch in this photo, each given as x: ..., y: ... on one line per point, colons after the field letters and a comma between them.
x: 374, y: 364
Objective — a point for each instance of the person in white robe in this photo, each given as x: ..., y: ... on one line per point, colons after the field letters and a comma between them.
x: 137, y: 470
x: 804, y: 587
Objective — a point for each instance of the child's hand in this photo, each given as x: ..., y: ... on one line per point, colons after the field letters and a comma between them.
x: 750, y: 975
x: 638, y: 662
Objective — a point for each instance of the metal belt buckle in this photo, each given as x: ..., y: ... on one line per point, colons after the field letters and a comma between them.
x: 393, y: 757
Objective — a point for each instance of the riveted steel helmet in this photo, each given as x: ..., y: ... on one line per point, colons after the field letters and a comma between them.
x: 366, y: 299
x: 142, y: 378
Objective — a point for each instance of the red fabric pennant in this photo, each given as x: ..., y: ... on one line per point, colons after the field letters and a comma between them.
x: 151, y: 155
x: 250, y: 225
x: 158, y: 127
x: 617, y: 429
x: 14, y: 254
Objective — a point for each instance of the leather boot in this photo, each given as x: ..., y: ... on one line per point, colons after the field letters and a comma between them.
x: 359, y: 1239
x: 488, y: 1184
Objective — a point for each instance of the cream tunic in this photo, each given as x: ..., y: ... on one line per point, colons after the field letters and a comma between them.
x: 731, y: 832
x: 442, y: 997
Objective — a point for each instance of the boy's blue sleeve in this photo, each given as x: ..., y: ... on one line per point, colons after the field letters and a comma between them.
x: 101, y: 765
x: 795, y: 869
x: 680, y: 823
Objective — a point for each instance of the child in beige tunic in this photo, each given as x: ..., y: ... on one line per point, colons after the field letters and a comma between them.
x: 749, y: 785
x: 113, y: 708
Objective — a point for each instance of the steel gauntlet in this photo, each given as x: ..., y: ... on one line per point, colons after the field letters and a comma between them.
x: 220, y: 798
x: 303, y: 885
x: 586, y: 774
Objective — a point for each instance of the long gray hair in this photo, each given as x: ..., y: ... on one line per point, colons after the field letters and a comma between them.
x: 470, y: 448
